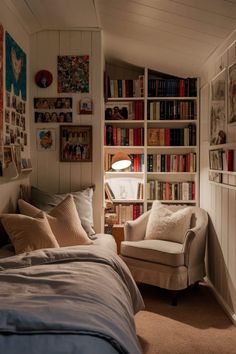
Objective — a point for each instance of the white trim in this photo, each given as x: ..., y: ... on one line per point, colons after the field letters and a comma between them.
x: 229, y: 312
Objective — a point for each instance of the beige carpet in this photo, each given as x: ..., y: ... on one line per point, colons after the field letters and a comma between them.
x: 197, y: 325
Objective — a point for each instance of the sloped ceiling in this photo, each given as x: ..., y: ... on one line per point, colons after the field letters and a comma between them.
x: 172, y: 36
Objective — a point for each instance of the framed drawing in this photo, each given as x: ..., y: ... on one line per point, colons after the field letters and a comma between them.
x: 76, y: 143
x: 218, y: 108
x: 46, y: 139
x: 232, y: 93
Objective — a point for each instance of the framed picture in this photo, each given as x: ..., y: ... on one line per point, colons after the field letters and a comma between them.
x: 232, y: 93
x: 46, y: 140
x: 216, y: 159
x: 76, y: 143
x: 85, y: 106
x: 218, y: 108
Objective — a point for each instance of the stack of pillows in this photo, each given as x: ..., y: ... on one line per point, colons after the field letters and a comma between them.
x: 58, y: 220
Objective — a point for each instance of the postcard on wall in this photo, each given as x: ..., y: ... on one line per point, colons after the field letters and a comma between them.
x: 218, y: 109
x: 232, y: 93
x: 15, y: 68
x: 46, y: 139
x: 73, y: 73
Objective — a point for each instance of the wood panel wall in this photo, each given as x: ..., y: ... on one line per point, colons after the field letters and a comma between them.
x: 49, y: 174
x: 218, y: 201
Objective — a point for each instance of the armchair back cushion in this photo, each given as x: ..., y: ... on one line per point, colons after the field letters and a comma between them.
x: 168, y: 225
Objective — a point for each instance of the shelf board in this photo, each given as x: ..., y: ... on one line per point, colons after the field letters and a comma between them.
x: 223, y: 146
x: 125, y: 201
x: 171, y: 121
x: 127, y: 174
x: 112, y: 99
x: 29, y: 169
x: 126, y: 121
x: 223, y: 185
x: 173, y: 201
x: 123, y: 147
x: 171, y: 173
x: 169, y: 98
x: 224, y: 172
x: 171, y: 147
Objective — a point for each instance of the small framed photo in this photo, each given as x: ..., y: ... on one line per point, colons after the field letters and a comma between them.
x: 76, y: 143
x: 232, y: 93
x: 85, y: 106
x: 46, y: 140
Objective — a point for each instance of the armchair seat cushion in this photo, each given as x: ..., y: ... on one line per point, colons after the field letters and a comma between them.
x: 155, y: 251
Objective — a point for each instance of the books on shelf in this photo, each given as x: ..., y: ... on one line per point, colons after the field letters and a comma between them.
x: 172, y: 136
x: 124, y: 110
x: 116, y: 136
x: 127, y: 88
x: 137, y: 163
x: 170, y: 190
x: 108, y: 192
x: 220, y: 159
x: 172, y: 110
x: 120, y: 213
x: 172, y: 162
x: 162, y: 87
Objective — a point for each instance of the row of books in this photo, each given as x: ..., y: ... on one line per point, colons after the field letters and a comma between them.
x: 220, y: 159
x: 170, y: 190
x: 137, y: 163
x: 177, y: 110
x: 172, y: 136
x: 127, y: 88
x: 120, y: 213
x: 172, y: 87
x: 114, y: 136
x: 171, y: 162
x: 124, y: 110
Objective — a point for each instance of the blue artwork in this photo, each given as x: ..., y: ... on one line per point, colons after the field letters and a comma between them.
x: 15, y: 68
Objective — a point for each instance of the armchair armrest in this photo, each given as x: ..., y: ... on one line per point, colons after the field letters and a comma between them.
x: 135, y: 230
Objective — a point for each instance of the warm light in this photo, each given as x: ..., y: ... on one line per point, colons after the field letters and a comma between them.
x: 120, y: 161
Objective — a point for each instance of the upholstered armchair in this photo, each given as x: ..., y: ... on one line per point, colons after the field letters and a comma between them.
x: 164, y: 263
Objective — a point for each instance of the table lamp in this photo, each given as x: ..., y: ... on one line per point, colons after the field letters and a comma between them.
x: 120, y: 161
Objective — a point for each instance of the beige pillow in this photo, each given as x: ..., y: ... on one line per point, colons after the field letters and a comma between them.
x: 168, y: 225
x: 27, y: 233
x: 64, y: 221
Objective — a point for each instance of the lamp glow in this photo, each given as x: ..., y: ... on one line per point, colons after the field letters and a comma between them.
x: 120, y: 161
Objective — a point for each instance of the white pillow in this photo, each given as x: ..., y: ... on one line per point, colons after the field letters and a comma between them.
x: 168, y: 225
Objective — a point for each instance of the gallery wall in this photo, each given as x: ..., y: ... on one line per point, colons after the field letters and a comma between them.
x: 9, y: 187
x: 49, y: 173
x: 217, y: 199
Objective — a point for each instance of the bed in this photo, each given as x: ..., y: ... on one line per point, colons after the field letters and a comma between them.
x: 64, y: 298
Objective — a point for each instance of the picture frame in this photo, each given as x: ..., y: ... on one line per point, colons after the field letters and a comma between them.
x: 46, y: 139
x: 75, y: 143
x: 85, y: 106
x: 232, y: 93
x: 218, y: 109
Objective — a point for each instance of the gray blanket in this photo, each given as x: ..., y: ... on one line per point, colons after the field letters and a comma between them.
x: 72, y: 290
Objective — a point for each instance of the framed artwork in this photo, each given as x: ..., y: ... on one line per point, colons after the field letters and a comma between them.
x: 76, y: 143
x: 85, y: 106
x: 53, y: 103
x: 218, y: 107
x: 15, y: 68
x: 232, y: 93
x: 73, y: 73
x: 46, y: 140
x: 53, y: 110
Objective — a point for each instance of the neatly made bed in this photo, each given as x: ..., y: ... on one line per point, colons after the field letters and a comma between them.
x: 79, y: 299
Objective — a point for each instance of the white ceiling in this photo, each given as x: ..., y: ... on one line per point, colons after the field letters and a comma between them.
x: 172, y: 36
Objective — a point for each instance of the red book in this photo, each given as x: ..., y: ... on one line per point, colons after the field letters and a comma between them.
x: 114, y: 136
x: 193, y: 191
x: 168, y: 163
x: 230, y: 160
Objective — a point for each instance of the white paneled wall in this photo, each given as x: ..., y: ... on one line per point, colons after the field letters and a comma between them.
x: 49, y: 173
x: 220, y: 202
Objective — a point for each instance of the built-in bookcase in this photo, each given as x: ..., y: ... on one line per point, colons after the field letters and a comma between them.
x: 154, y: 118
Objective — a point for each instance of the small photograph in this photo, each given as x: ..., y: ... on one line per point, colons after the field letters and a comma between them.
x: 22, y: 122
x: 7, y: 129
x: 13, y: 102
x: 53, y: 117
x: 46, y: 139
x: 117, y: 111
x: 25, y: 139
x: 85, y: 106
x: 53, y: 103
x: 13, y: 118
x: 8, y: 99
x: 7, y: 140
x: 7, y: 153
x: 7, y: 116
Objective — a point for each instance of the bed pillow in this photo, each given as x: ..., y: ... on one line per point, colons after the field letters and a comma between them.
x: 27, y: 233
x: 168, y: 225
x: 83, y: 200
x: 64, y: 222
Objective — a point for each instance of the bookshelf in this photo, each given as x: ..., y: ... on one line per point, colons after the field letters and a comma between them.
x: 158, y: 128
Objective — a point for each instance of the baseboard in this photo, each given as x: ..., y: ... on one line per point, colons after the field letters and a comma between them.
x: 221, y: 301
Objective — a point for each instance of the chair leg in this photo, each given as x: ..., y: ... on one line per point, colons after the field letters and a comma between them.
x: 174, y: 298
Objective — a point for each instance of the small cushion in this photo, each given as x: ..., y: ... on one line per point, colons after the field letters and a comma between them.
x: 64, y: 221
x: 168, y: 225
x: 28, y: 233
x: 156, y: 251
x: 83, y: 201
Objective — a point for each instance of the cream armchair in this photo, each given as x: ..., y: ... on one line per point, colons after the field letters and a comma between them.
x: 169, y: 265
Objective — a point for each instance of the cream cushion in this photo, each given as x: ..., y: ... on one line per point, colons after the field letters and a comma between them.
x: 156, y: 251
x: 64, y: 222
x: 168, y: 225
x: 28, y: 233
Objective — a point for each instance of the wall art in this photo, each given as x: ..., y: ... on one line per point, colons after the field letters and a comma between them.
x: 53, y: 110
x: 73, y: 73
x: 46, y: 139
x: 15, y: 68
x: 85, y: 106
x: 75, y: 143
x: 218, y: 109
x: 43, y: 78
x: 232, y: 93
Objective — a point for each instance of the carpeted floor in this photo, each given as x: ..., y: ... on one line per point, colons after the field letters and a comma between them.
x: 196, y: 325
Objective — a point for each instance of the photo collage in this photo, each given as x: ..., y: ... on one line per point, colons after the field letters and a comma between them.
x: 53, y: 110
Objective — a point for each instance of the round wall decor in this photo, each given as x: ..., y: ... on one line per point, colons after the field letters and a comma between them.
x: 43, y: 78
